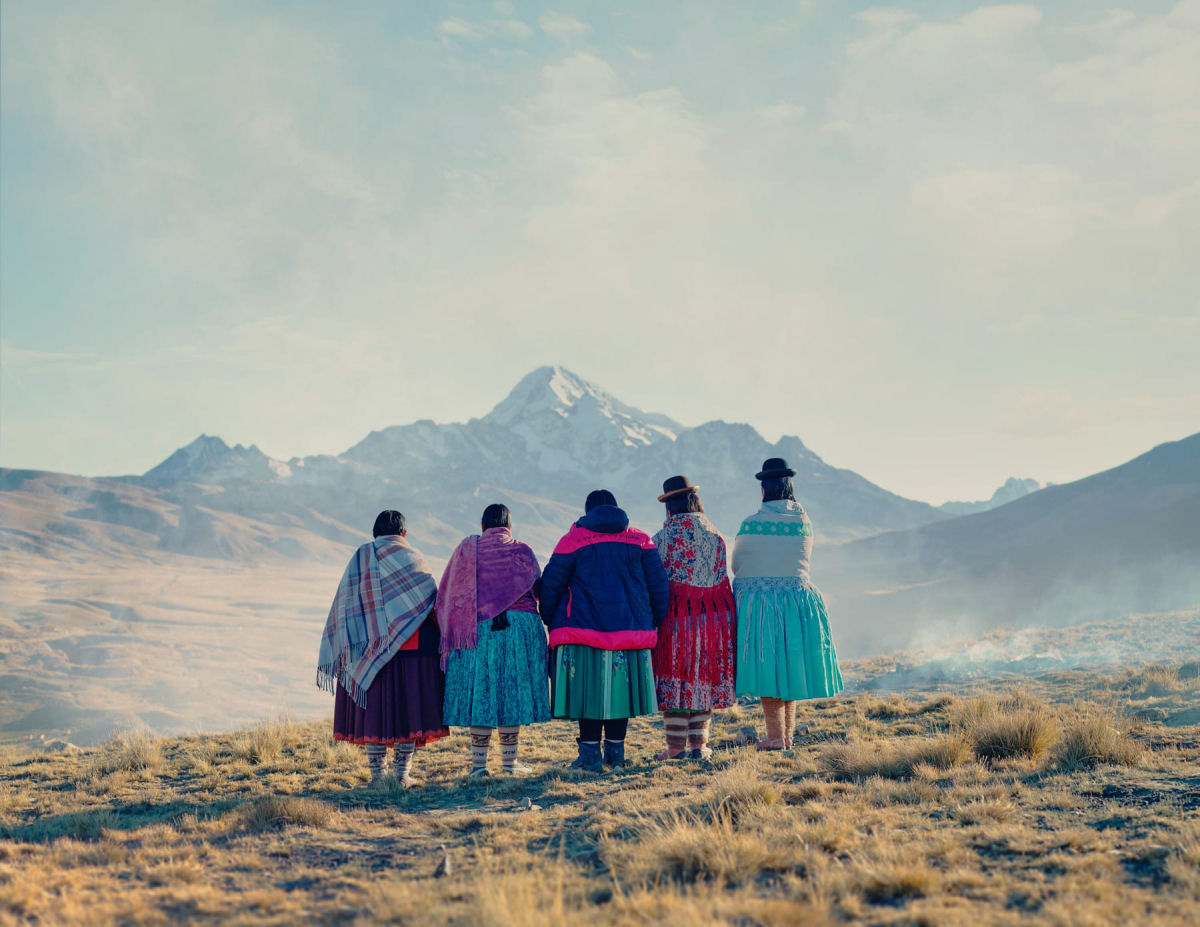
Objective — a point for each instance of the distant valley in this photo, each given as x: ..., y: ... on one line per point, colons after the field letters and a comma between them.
x: 196, y: 591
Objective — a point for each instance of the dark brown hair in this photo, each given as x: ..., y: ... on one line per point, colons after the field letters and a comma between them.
x: 778, y: 488
x: 389, y: 522
x: 496, y: 516
x: 684, y: 502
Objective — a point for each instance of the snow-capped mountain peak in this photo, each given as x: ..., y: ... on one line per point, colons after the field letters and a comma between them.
x: 552, y: 405
x: 550, y: 441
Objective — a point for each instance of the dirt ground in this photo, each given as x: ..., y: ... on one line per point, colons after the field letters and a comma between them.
x: 1067, y: 797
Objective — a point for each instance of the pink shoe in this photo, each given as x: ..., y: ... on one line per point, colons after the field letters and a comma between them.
x: 775, y: 743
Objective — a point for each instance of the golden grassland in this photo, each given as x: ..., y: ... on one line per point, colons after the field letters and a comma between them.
x: 1065, y: 801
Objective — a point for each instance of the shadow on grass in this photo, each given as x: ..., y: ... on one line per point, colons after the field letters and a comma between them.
x: 498, y: 794
x: 92, y: 823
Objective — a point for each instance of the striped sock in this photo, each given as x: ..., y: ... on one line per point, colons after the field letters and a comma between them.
x: 375, y: 755
x: 789, y: 721
x: 402, y: 760
x: 481, y: 742
x: 508, y: 746
x: 676, y: 724
x: 698, y: 729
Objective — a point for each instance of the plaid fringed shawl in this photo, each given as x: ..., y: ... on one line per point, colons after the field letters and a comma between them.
x: 385, y: 595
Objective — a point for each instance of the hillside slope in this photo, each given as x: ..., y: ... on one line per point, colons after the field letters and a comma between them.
x: 1127, y: 539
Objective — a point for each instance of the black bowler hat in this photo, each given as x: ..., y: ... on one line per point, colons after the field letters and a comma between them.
x: 773, y: 469
x: 675, y: 485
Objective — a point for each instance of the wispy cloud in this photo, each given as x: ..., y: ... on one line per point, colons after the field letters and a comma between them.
x: 508, y: 27
x: 563, y: 27
x: 919, y: 223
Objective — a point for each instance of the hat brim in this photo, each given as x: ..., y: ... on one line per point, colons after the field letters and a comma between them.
x: 774, y: 474
x: 675, y: 492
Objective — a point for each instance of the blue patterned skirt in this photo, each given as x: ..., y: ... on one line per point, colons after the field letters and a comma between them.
x: 784, y: 648
x: 503, y: 681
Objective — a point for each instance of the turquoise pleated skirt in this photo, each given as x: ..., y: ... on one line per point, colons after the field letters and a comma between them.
x: 602, y: 684
x: 501, y: 682
x: 784, y: 649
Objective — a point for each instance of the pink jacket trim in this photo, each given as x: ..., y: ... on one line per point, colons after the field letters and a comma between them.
x: 605, y: 640
x: 578, y: 537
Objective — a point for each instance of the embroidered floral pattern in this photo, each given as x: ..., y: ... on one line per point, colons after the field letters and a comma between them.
x: 691, y: 550
x: 694, y: 661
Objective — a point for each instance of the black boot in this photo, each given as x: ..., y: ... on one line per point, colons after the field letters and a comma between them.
x: 614, y: 753
x: 589, y: 757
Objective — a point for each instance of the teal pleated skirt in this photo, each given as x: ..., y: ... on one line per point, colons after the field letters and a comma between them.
x: 784, y: 649
x: 501, y: 682
x: 603, y: 684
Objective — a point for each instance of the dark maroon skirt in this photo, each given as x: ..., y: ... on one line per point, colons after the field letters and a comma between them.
x: 404, y: 701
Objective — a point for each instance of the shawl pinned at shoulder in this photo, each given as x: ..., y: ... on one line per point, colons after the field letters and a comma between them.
x: 385, y: 595
x: 484, y: 577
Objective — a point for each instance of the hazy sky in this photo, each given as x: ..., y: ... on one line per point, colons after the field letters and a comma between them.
x: 943, y: 243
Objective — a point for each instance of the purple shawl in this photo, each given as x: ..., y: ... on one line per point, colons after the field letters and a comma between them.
x: 485, y: 575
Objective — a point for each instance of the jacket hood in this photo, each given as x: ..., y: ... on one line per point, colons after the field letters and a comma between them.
x: 605, y: 519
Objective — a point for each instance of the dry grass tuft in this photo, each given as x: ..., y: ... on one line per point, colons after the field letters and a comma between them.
x: 1002, y: 728
x: 1094, y: 739
x: 173, y: 872
x: 985, y: 810
x: 278, y: 811
x: 1160, y: 681
x: 266, y: 742
x: 859, y: 760
x: 740, y: 787
x: 892, y: 878
x: 684, y: 849
x: 129, y: 751
x: 336, y: 754
x: 89, y: 825
x: 898, y: 706
x: 1183, y: 869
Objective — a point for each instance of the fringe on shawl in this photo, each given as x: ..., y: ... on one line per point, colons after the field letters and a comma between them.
x: 456, y: 600
x: 330, y: 675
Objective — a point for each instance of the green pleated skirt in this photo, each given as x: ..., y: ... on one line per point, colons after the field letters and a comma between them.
x: 591, y: 683
x: 784, y: 649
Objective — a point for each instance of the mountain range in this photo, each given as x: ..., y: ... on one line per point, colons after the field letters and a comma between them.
x: 1122, y: 541
x: 192, y: 596
x: 1014, y: 488
x: 554, y: 438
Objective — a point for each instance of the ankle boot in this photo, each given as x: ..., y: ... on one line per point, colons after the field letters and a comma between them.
x: 614, y: 753
x: 589, y: 757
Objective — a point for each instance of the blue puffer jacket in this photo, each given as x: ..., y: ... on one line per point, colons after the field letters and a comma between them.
x: 605, y: 585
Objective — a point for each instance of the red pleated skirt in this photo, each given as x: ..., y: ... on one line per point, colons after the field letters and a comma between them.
x: 695, y: 660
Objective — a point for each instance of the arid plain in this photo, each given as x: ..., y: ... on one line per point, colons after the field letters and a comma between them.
x: 994, y: 790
